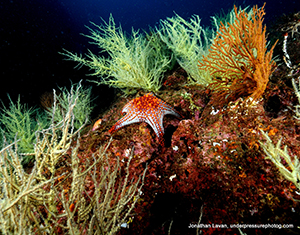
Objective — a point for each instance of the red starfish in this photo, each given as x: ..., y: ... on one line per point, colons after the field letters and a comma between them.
x: 147, y: 108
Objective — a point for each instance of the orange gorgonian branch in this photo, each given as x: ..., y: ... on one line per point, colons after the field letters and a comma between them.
x: 238, y: 59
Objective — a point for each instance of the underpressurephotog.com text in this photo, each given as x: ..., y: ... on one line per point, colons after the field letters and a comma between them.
x: 244, y: 226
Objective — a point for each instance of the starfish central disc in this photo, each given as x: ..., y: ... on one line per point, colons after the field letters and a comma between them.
x: 147, y: 108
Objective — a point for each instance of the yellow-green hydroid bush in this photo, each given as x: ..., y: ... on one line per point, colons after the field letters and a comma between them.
x: 82, y: 109
x: 288, y: 165
x: 132, y: 63
x: 227, y: 19
x: 189, y: 41
x: 20, y: 122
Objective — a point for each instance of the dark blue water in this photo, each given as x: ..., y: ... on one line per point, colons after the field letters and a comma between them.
x: 32, y: 33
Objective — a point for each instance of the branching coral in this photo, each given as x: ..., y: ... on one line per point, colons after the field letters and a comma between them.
x: 188, y: 41
x: 238, y: 58
x: 133, y: 62
x: 100, y: 198
x: 64, y: 192
x: 24, y: 194
x: 19, y: 193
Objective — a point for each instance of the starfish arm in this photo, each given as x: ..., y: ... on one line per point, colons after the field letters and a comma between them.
x: 170, y: 110
x: 124, y: 121
x: 156, y: 125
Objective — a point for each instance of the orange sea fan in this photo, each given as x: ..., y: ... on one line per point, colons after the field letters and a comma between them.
x: 238, y: 59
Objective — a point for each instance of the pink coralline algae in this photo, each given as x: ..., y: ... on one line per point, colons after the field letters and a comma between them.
x: 148, y: 109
